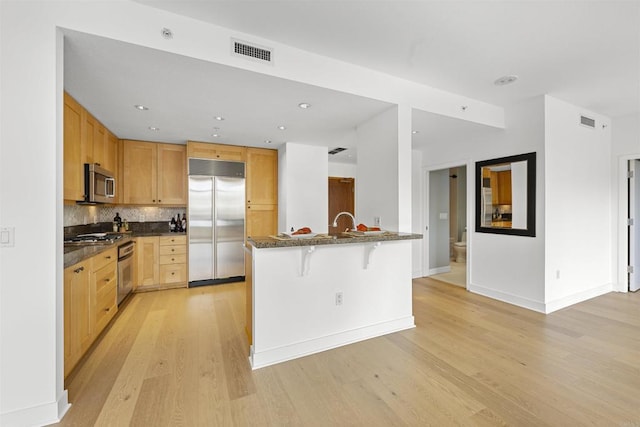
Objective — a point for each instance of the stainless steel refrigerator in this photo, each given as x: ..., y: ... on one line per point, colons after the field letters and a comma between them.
x: 216, y: 221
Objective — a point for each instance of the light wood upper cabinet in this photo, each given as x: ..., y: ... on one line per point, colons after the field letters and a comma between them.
x: 172, y: 174
x: 86, y: 140
x: 262, y: 176
x: 153, y: 173
x: 205, y: 150
x: 140, y: 172
x: 73, y: 162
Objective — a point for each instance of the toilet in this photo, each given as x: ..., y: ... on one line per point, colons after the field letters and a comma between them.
x: 460, y: 249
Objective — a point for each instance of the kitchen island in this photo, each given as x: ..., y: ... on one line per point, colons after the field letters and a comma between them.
x: 306, y: 295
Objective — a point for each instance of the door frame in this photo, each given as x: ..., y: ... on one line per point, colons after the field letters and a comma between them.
x: 470, y: 210
x: 622, y: 282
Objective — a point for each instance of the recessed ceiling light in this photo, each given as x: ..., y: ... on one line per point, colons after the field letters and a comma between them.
x: 215, y: 135
x: 304, y: 105
x: 141, y: 107
x: 153, y: 128
x: 219, y: 118
x: 282, y: 127
x: 267, y: 141
x: 505, y: 80
x: 415, y: 131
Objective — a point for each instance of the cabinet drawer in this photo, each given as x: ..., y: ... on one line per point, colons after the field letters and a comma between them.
x: 105, y: 258
x: 173, y: 250
x: 105, y: 277
x: 173, y: 273
x: 173, y: 240
x: 173, y: 259
x: 106, y: 308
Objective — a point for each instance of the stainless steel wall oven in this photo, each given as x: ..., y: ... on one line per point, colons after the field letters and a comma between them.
x: 125, y: 270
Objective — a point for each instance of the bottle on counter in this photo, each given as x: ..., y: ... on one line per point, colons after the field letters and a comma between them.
x: 184, y: 222
x: 172, y: 225
x: 126, y: 225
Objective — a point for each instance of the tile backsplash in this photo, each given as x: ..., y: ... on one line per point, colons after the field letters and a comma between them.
x: 83, y: 214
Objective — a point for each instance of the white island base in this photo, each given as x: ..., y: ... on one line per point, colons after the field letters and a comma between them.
x: 307, y: 299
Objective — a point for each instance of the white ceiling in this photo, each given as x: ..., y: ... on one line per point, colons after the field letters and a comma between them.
x: 184, y: 95
x: 584, y: 52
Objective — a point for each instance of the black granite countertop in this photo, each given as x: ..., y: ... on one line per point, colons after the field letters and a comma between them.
x: 75, y: 253
x: 281, y: 241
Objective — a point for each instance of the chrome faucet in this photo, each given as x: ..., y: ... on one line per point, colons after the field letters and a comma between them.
x: 353, y: 218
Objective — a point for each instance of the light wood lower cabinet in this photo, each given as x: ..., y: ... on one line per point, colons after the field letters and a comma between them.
x: 104, y: 289
x: 173, y: 260
x: 77, y: 313
x: 90, y: 302
x: 162, y: 262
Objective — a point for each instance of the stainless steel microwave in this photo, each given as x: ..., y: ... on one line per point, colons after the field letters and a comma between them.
x: 99, y: 184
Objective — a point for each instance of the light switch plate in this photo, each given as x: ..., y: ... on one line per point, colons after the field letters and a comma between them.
x: 444, y: 215
x: 7, y: 237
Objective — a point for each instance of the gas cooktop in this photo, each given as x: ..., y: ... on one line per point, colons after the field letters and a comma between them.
x: 93, y: 238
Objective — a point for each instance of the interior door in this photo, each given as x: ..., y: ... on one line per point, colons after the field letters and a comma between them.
x: 634, y: 226
x: 341, y: 199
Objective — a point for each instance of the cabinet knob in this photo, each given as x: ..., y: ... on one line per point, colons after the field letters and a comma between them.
x: 172, y: 250
x: 173, y: 273
x: 248, y: 207
x: 78, y: 270
x: 106, y: 280
x: 153, y: 200
x: 173, y: 259
x: 107, y: 309
x: 159, y: 200
x: 108, y: 257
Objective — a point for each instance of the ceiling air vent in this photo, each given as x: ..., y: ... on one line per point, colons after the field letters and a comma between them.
x: 337, y: 150
x: 246, y: 50
x: 588, y: 122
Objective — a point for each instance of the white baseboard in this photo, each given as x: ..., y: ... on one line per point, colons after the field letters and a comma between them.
x: 508, y: 298
x: 546, y: 308
x: 292, y: 351
x: 563, y: 302
x: 438, y: 270
x: 41, y: 415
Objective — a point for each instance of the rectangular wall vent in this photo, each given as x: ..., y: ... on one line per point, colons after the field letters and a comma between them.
x: 251, y: 51
x: 337, y: 150
x: 587, y: 121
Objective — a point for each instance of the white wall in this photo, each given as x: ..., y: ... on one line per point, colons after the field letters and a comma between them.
x: 303, y: 193
x: 31, y: 383
x: 342, y: 170
x: 383, y: 181
x: 508, y: 268
x: 377, y: 172
x: 578, y: 201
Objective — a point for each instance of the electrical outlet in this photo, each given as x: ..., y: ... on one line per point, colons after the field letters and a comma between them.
x: 338, y: 298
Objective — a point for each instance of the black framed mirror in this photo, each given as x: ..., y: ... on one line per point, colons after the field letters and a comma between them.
x: 506, y: 195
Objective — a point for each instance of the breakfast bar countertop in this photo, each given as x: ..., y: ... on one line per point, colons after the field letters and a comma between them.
x: 283, y: 241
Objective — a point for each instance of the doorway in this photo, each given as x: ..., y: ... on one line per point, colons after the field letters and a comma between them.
x: 633, y: 227
x: 447, y: 219
x: 341, y: 199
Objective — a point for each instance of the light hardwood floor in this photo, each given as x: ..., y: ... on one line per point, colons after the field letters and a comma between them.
x: 179, y: 358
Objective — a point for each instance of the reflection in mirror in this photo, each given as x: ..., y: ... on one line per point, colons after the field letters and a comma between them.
x: 505, y: 196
